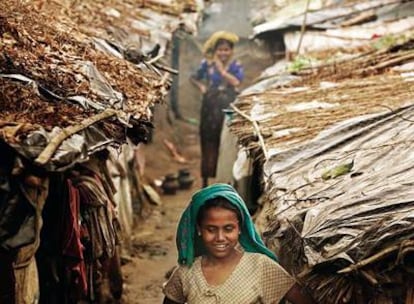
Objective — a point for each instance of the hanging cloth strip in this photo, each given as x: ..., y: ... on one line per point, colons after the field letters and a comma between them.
x: 97, y: 211
x: 72, y: 246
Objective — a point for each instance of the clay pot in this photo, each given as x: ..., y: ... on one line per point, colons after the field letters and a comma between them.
x: 185, y: 179
x: 170, y: 184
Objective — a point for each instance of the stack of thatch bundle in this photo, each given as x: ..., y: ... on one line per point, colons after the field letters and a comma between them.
x: 173, y: 7
x: 337, y: 152
x: 321, y: 97
x: 99, y: 18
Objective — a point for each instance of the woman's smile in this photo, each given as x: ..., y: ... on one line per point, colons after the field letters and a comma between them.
x: 220, y: 232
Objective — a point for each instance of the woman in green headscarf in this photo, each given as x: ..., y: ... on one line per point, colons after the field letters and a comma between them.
x: 221, y: 257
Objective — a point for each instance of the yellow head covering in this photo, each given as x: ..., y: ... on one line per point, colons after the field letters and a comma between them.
x: 209, y: 45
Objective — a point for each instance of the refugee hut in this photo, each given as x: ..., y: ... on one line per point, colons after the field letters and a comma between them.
x: 77, y: 80
x: 308, y: 26
x: 333, y: 137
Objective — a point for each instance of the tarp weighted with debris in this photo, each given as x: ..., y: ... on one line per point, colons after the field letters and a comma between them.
x: 60, y: 69
x: 334, y: 138
x: 47, y: 87
x: 331, y: 14
x: 356, y: 228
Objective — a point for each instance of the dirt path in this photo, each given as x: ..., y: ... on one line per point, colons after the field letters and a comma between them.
x: 153, y: 251
x: 153, y: 244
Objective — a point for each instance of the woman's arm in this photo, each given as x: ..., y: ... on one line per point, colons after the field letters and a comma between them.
x: 298, y: 295
x: 168, y: 301
x: 199, y: 85
x: 230, y: 78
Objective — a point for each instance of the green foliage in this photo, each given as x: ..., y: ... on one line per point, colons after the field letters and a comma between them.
x: 299, y: 63
x: 385, y: 42
x: 337, y: 171
x: 192, y: 121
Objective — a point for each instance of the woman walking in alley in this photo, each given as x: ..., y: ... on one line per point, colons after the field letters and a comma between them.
x: 218, y: 78
x: 222, y: 259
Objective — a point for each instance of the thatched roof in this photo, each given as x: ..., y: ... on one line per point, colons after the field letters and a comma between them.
x: 340, y: 208
x: 293, y: 114
x: 63, y: 65
x: 336, y: 149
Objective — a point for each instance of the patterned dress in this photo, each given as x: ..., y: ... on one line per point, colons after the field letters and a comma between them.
x: 256, y: 279
x: 218, y: 97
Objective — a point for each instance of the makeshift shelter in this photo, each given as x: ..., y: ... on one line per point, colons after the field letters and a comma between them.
x: 296, y: 27
x: 334, y: 143
x: 71, y: 88
x: 342, y: 210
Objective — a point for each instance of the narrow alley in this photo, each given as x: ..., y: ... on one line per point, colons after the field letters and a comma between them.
x: 263, y: 148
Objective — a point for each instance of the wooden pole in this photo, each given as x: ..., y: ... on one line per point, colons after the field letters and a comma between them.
x: 56, y: 141
x: 256, y: 127
x: 303, y: 28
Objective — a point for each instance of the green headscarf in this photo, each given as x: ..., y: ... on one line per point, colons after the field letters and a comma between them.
x: 190, y: 246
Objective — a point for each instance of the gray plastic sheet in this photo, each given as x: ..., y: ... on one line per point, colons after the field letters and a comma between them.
x: 78, y: 147
x: 331, y: 17
x: 356, y: 214
x: 75, y: 149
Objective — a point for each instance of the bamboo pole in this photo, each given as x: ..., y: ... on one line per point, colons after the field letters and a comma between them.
x: 56, y: 141
x: 165, y: 68
x: 393, y: 61
x: 376, y: 256
x: 409, y: 299
x: 303, y: 28
x: 256, y: 127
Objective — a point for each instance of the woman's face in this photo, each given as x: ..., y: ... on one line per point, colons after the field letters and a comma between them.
x: 220, y: 232
x: 224, y: 52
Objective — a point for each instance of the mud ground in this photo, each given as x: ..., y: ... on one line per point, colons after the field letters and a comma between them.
x: 153, y: 251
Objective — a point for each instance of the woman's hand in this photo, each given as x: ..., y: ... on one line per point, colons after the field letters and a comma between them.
x: 203, y: 89
x: 201, y: 86
x: 231, y: 79
x: 168, y: 301
x: 219, y: 66
x: 298, y: 295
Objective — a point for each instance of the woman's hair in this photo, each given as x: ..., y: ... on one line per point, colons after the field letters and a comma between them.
x: 217, y: 202
x: 223, y: 41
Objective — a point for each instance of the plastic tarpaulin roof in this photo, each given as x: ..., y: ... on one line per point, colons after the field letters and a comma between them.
x: 346, y: 196
x: 67, y: 79
x: 328, y: 17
